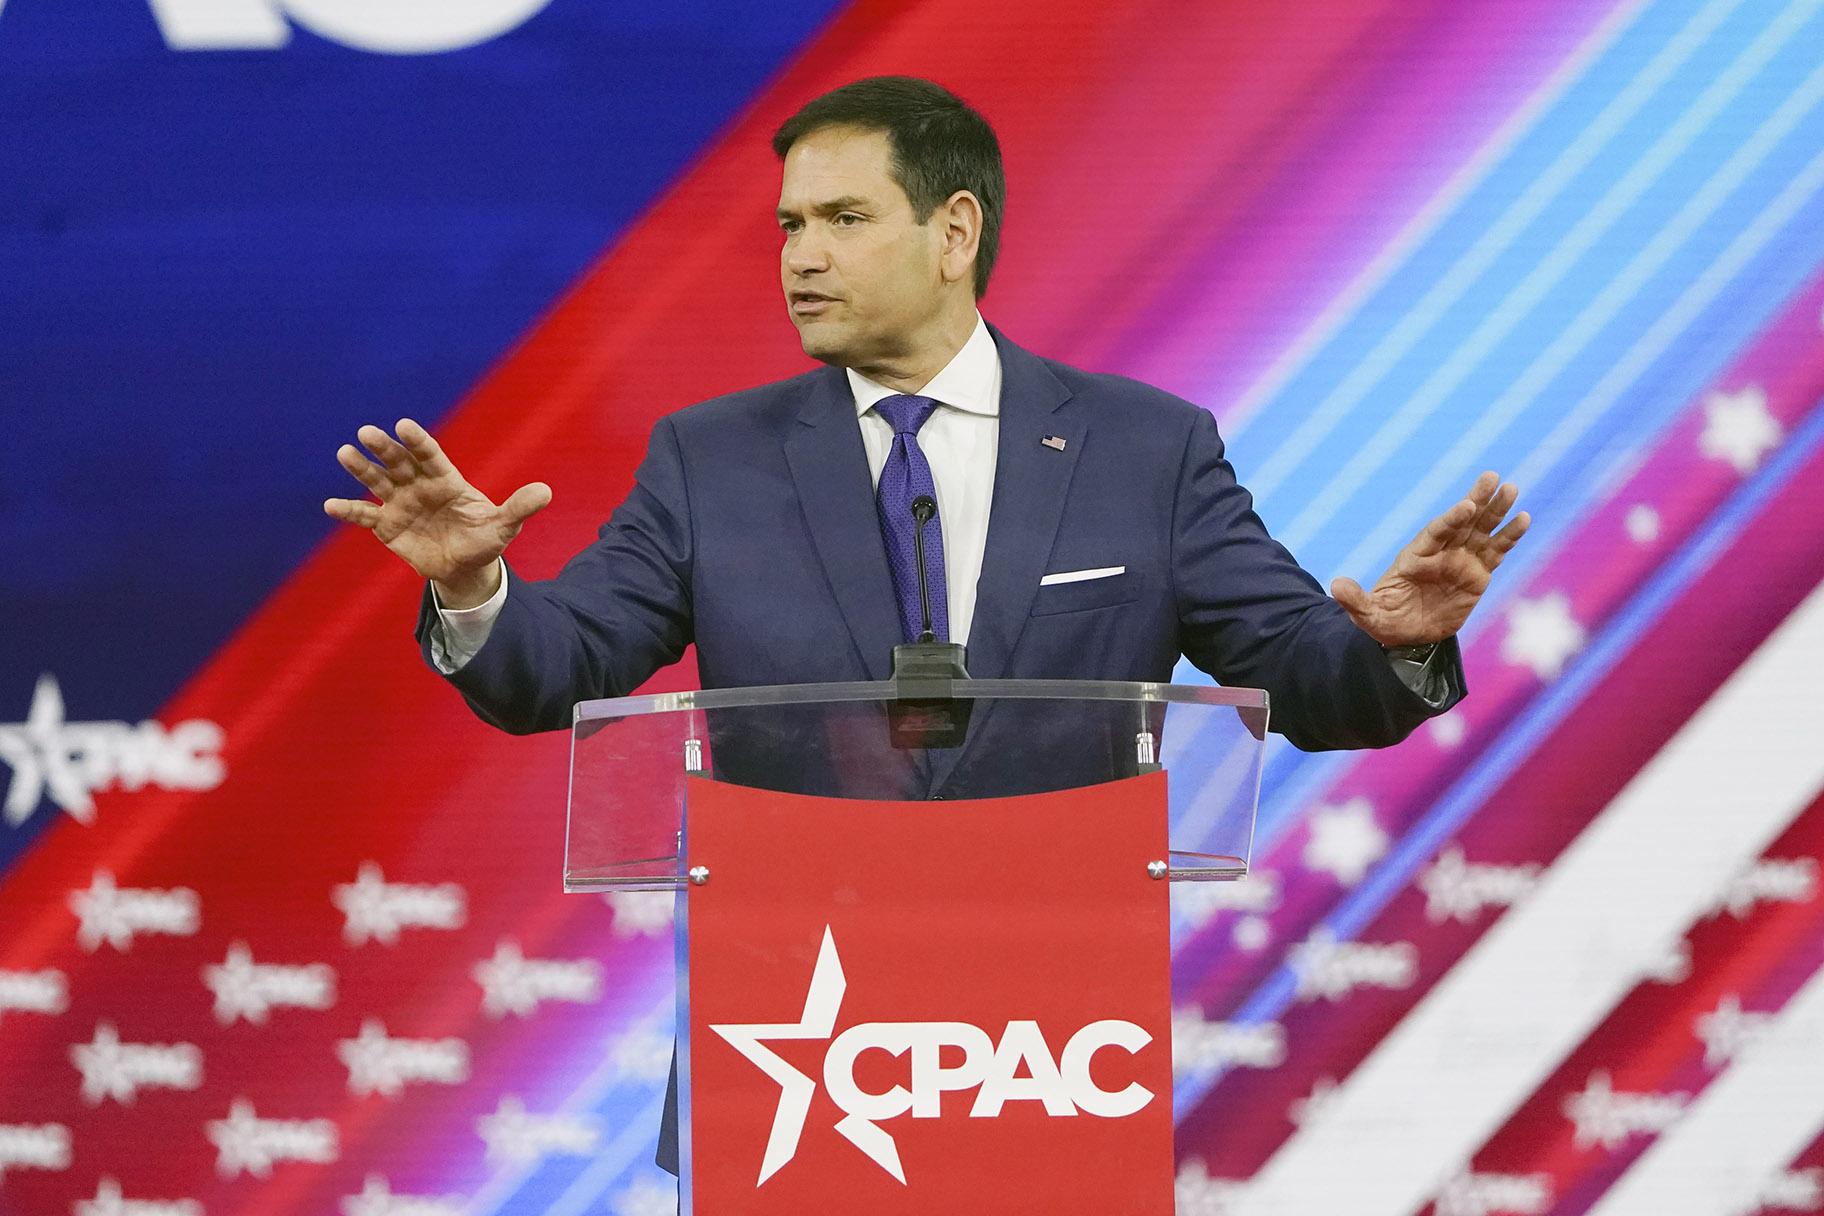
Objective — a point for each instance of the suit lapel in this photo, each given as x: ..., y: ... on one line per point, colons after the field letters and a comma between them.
x: 1031, y: 478
x: 830, y: 470
x: 1030, y: 481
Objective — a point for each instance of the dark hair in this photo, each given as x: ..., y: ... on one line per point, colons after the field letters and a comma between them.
x: 939, y: 146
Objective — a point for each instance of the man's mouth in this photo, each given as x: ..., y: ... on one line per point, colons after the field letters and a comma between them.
x: 809, y: 303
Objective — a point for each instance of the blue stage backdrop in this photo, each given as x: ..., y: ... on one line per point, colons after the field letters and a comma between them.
x: 280, y: 927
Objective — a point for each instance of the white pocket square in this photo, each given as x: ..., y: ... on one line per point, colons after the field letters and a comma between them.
x: 1081, y: 576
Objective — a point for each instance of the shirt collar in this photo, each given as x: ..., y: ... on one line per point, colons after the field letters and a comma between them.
x: 970, y: 381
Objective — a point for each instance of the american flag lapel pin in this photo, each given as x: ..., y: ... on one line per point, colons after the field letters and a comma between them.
x: 1054, y: 442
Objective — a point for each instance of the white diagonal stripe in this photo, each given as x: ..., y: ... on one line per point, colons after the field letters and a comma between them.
x: 1439, y: 207
x: 1546, y: 974
x: 1617, y: 293
x: 1518, y: 304
x: 1500, y: 236
x: 1745, y: 1127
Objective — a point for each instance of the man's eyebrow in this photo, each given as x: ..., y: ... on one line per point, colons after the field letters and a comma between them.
x: 847, y: 202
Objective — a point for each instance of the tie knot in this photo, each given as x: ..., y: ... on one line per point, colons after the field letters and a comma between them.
x: 904, y: 412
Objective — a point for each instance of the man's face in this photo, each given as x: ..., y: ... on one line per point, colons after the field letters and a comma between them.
x: 861, y: 275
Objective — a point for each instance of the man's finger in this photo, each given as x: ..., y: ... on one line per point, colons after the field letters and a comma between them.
x: 1497, y: 508
x: 1445, y: 530
x: 527, y: 501
x: 1479, y: 498
x: 424, y: 449
x: 352, y: 511
x: 365, y: 471
x: 1510, y: 536
x: 388, y: 451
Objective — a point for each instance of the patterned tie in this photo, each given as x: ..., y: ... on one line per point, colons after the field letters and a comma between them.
x: 905, y: 476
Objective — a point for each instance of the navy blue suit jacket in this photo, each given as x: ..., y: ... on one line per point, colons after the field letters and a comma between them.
x: 751, y: 532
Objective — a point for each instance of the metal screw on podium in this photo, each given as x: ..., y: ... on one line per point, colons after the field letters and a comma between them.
x: 1154, y: 869
x: 698, y: 875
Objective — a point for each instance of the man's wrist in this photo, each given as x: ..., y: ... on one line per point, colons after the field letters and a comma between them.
x: 1413, y: 654
x: 471, y: 592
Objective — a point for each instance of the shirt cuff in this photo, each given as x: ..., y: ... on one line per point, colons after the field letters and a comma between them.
x: 460, y: 633
x: 1418, y: 670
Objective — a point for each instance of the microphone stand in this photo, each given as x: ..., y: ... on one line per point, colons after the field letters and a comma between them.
x: 924, y: 713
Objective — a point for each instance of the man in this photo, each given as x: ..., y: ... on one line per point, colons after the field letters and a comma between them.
x: 1086, y: 526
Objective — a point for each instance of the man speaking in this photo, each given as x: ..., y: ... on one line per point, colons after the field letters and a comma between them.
x: 1086, y: 526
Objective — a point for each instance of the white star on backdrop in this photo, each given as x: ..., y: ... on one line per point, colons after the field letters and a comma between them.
x: 646, y: 1198
x: 1198, y: 1194
x: 42, y: 753
x: 110, y: 1200
x: 1738, y: 428
x: 1448, y: 730
x: 1642, y: 524
x: 378, y: 1199
x: 1542, y: 634
x: 1252, y: 933
x: 1728, y: 1030
x: 1310, y: 1108
x: 641, y: 913
x: 1345, y: 841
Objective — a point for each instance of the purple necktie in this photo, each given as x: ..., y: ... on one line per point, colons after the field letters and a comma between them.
x: 905, y: 476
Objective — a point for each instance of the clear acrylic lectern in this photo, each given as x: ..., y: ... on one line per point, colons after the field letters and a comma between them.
x: 632, y: 757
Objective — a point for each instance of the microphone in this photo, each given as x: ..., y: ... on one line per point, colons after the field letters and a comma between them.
x: 924, y: 712
x: 923, y: 508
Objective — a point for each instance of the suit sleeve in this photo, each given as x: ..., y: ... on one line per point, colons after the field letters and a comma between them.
x: 1251, y: 617
x: 616, y: 612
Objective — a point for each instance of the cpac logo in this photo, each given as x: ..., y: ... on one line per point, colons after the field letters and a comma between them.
x: 374, y: 909
x: 1063, y: 1085
x: 397, y: 27
x: 72, y: 761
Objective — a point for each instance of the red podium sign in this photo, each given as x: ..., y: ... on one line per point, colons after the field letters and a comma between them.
x: 929, y: 1007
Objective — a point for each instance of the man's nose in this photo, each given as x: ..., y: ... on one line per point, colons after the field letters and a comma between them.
x: 806, y: 254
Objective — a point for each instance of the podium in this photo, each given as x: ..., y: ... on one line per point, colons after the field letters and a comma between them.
x: 923, y: 928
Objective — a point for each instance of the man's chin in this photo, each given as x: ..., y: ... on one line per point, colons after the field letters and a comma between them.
x: 825, y: 343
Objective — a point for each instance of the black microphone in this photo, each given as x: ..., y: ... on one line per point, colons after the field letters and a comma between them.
x: 924, y: 711
x: 923, y: 508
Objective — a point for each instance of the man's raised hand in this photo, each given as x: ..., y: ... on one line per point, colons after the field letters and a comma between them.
x: 428, y: 513
x: 1428, y: 592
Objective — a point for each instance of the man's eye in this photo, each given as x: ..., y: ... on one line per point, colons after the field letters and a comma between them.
x: 847, y: 219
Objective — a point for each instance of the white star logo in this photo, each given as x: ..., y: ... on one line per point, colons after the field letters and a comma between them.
x: 1542, y: 635
x: 1728, y: 1030
x: 1311, y: 1107
x: 1198, y: 1194
x: 641, y: 913
x: 1345, y: 841
x: 42, y: 751
x: 821, y: 1002
x: 1642, y: 524
x: 646, y: 1198
x: 377, y: 1198
x: 1738, y: 428
x: 1449, y: 730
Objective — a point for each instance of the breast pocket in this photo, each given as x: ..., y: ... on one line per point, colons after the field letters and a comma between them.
x: 1082, y: 595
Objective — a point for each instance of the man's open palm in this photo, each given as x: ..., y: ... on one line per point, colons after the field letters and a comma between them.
x: 1428, y: 592
x: 428, y: 513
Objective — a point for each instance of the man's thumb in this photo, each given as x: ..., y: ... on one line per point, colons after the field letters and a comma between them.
x: 1349, y: 593
x: 526, y: 502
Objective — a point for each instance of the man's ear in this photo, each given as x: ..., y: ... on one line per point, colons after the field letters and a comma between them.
x: 959, y: 234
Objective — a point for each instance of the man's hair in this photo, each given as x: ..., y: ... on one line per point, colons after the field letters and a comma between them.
x: 939, y: 146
